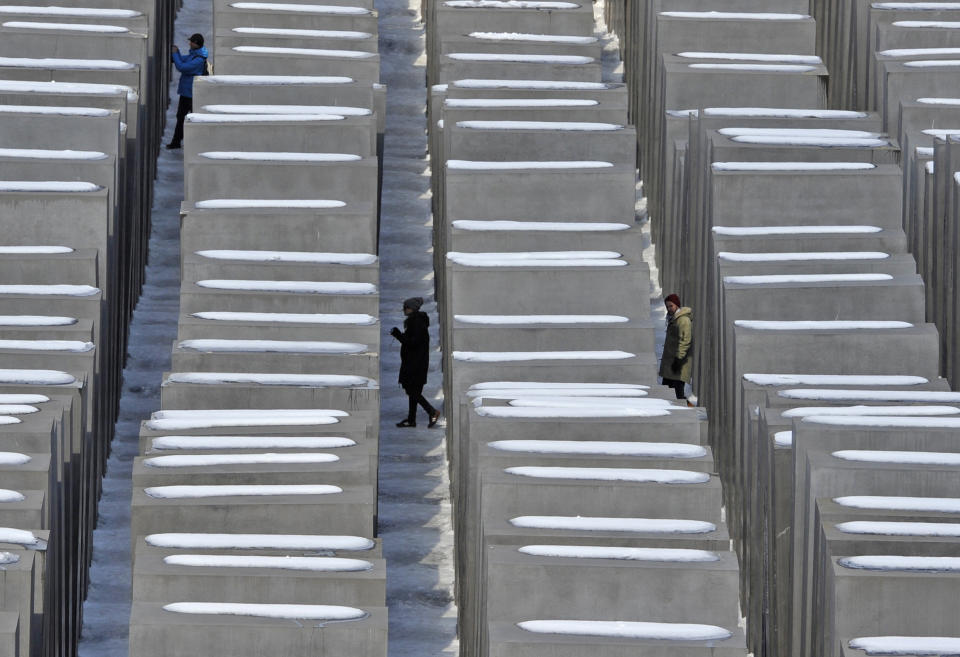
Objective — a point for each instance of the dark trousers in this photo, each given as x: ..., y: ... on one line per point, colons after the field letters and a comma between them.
x: 184, y: 107
x: 678, y: 387
x: 415, y: 396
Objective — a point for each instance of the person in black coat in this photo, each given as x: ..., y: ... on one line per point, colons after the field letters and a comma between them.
x: 415, y: 360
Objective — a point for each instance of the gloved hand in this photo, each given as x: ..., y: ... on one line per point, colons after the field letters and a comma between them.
x: 395, y: 332
x: 678, y: 363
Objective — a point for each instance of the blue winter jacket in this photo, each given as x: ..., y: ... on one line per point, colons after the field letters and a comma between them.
x: 189, y: 66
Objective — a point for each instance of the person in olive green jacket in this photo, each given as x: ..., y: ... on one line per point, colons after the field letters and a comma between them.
x: 676, y: 365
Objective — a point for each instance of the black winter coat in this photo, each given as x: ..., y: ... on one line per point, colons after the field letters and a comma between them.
x: 414, y: 350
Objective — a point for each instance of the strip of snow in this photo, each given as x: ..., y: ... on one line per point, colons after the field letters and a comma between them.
x: 821, y: 325
x: 908, y: 458
x: 21, y: 537
x: 522, y: 320
x: 756, y: 231
x: 17, y: 409
x: 73, y: 346
x: 872, y: 395
x: 13, y: 458
x: 826, y: 142
x: 586, y: 401
x: 902, y: 563
x: 294, y: 287
x: 215, y: 460
x: 636, y: 475
x: 929, y: 167
x: 547, y: 226
x: 550, y: 412
x: 243, y: 490
x: 947, y: 25
x: 514, y: 356
x: 8, y: 558
x: 45, y: 186
x: 165, y: 443
x: 796, y: 132
x: 357, y: 319
x: 509, y: 4
x: 640, y: 630
x: 55, y: 63
x: 80, y: 12
x: 474, y: 165
x: 309, y: 52
x: 260, y: 118
x: 550, y: 395
x: 520, y: 58
x: 558, y: 386
x: 887, y: 503
x: 283, y: 31
x: 918, y: 52
x: 738, y: 15
x: 328, y: 613
x: 318, y: 257
x: 29, y: 86
x: 46, y: 109
x: 808, y: 411
x: 8, y: 496
x: 538, y: 255
x: 275, y: 80
x: 281, y: 346
x: 538, y: 38
x: 299, y: 542
x: 180, y: 424
x: 307, y: 564
x: 221, y: 413
x: 530, y: 84
x: 792, y: 166
x: 66, y: 27
x: 890, y: 422
x: 36, y: 377
x: 238, y: 203
x: 939, y: 101
x: 753, y: 57
x: 770, y: 279
x: 783, y: 438
x: 34, y: 250
x: 600, y: 524
x: 805, y: 255
x: 787, y: 113
x: 673, y: 555
x: 23, y: 399
x: 288, y: 109
x: 601, y: 448
x: 886, y: 528
x: 933, y: 63
x: 560, y: 126
x: 763, y: 68
x: 264, y: 156
x: 471, y: 260
x: 272, y: 379
x: 301, y: 9
x: 907, y: 645
x: 834, y: 379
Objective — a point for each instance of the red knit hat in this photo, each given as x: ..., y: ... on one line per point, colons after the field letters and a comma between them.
x: 674, y: 299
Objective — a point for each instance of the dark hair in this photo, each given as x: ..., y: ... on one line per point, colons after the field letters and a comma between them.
x: 674, y: 299
x: 197, y: 39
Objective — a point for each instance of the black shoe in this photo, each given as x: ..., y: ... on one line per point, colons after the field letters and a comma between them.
x: 172, y: 146
x: 434, y: 418
x: 406, y: 423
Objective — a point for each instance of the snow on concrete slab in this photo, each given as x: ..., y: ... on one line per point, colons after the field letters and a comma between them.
x: 560, y: 85
x: 760, y: 68
x: 670, y: 555
x: 215, y: 460
x: 808, y: 411
x: 358, y: 319
x: 885, y: 422
x: 792, y: 166
x: 933, y: 63
x: 36, y: 377
x: 943, y: 25
x: 537, y: 255
x: 306, y: 564
x: 281, y: 346
x: 301, y: 9
x: 826, y: 394
x: 758, y: 231
x: 299, y: 542
x: 78, y: 12
x: 821, y: 325
x: 64, y: 290
x: 510, y: 4
x: 472, y: 260
x: 783, y: 438
x: 29, y: 86
x: 23, y: 399
x: 251, y: 413
x: 936, y: 132
x: 890, y: 503
x: 284, y: 31
x: 478, y: 165
x: 802, y: 256
x: 834, y: 379
x: 61, y: 63
x: 775, y: 279
x: 13, y: 458
x: 73, y: 346
x: 516, y: 356
x: 586, y: 401
x: 329, y: 613
x: 522, y: 320
x: 17, y: 409
x: 46, y: 186
x: 34, y: 250
x: 546, y: 226
x: 636, y: 475
x: 269, y: 156
x: 260, y: 118
x: 521, y: 58
x: 604, y: 524
x: 939, y: 101
x: 242, y: 490
x: 537, y: 38
x: 288, y: 109
x: 550, y: 412
x: 639, y: 630
x: 8, y: 496
x: 601, y: 448
x: 307, y: 52
x: 787, y: 113
x: 276, y: 80
x: 752, y: 57
x: 212, y: 443
x: 8, y: 558
x: 22, y: 537
x: 901, y: 563
x: 825, y: 142
x: 907, y: 645
x: 551, y: 394
x: 796, y: 132
x: 66, y: 27
x: 890, y: 456
x: 268, y: 419
x: 244, y: 203
x: 917, y: 52
x: 735, y: 15
x: 293, y: 287
x: 46, y: 109
x: 556, y: 385
x: 561, y: 126
x: 271, y: 379
x: 315, y: 257
x: 894, y: 528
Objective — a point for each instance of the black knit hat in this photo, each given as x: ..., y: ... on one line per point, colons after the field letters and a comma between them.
x: 413, y: 303
x: 197, y: 39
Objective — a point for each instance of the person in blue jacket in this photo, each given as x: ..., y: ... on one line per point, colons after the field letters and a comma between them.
x: 190, y: 65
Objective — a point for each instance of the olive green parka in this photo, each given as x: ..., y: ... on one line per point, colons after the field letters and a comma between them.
x: 678, y: 346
